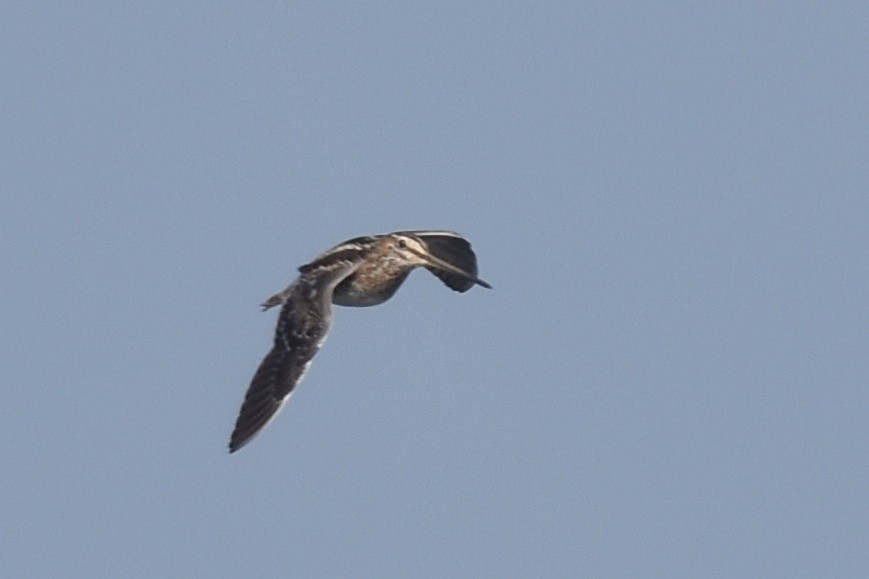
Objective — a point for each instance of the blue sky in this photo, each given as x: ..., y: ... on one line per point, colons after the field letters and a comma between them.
x: 669, y: 377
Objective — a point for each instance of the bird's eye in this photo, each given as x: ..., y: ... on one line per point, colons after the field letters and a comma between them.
x: 402, y: 243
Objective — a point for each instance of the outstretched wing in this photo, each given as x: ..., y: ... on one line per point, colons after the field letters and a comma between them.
x: 299, y: 334
x: 454, y: 249
x: 303, y: 324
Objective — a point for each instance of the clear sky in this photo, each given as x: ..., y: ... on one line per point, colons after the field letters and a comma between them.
x: 668, y: 379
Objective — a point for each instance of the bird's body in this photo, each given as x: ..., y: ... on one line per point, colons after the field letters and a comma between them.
x: 364, y: 271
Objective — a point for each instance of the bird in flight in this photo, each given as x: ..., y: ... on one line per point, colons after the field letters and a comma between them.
x: 364, y: 271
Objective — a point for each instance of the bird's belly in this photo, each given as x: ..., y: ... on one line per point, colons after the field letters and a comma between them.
x: 358, y: 291
x: 357, y: 299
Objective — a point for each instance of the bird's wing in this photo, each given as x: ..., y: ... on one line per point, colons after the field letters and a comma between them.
x: 349, y: 251
x: 455, y: 250
x: 303, y: 324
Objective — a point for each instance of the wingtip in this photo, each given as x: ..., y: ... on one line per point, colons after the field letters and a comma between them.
x: 236, y: 445
x: 241, y: 438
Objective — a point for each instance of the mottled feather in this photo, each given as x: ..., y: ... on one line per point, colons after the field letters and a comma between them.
x: 362, y: 271
x: 301, y: 330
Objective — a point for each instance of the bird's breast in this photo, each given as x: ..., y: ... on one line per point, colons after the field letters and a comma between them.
x: 363, y: 289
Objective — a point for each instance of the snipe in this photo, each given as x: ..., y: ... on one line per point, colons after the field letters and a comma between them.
x: 364, y: 271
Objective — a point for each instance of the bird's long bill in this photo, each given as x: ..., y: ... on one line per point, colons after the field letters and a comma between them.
x: 446, y: 266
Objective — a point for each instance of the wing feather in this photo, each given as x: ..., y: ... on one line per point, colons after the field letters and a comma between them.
x: 455, y: 250
x: 303, y: 324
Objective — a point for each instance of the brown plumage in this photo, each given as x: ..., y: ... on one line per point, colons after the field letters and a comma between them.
x: 364, y: 271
